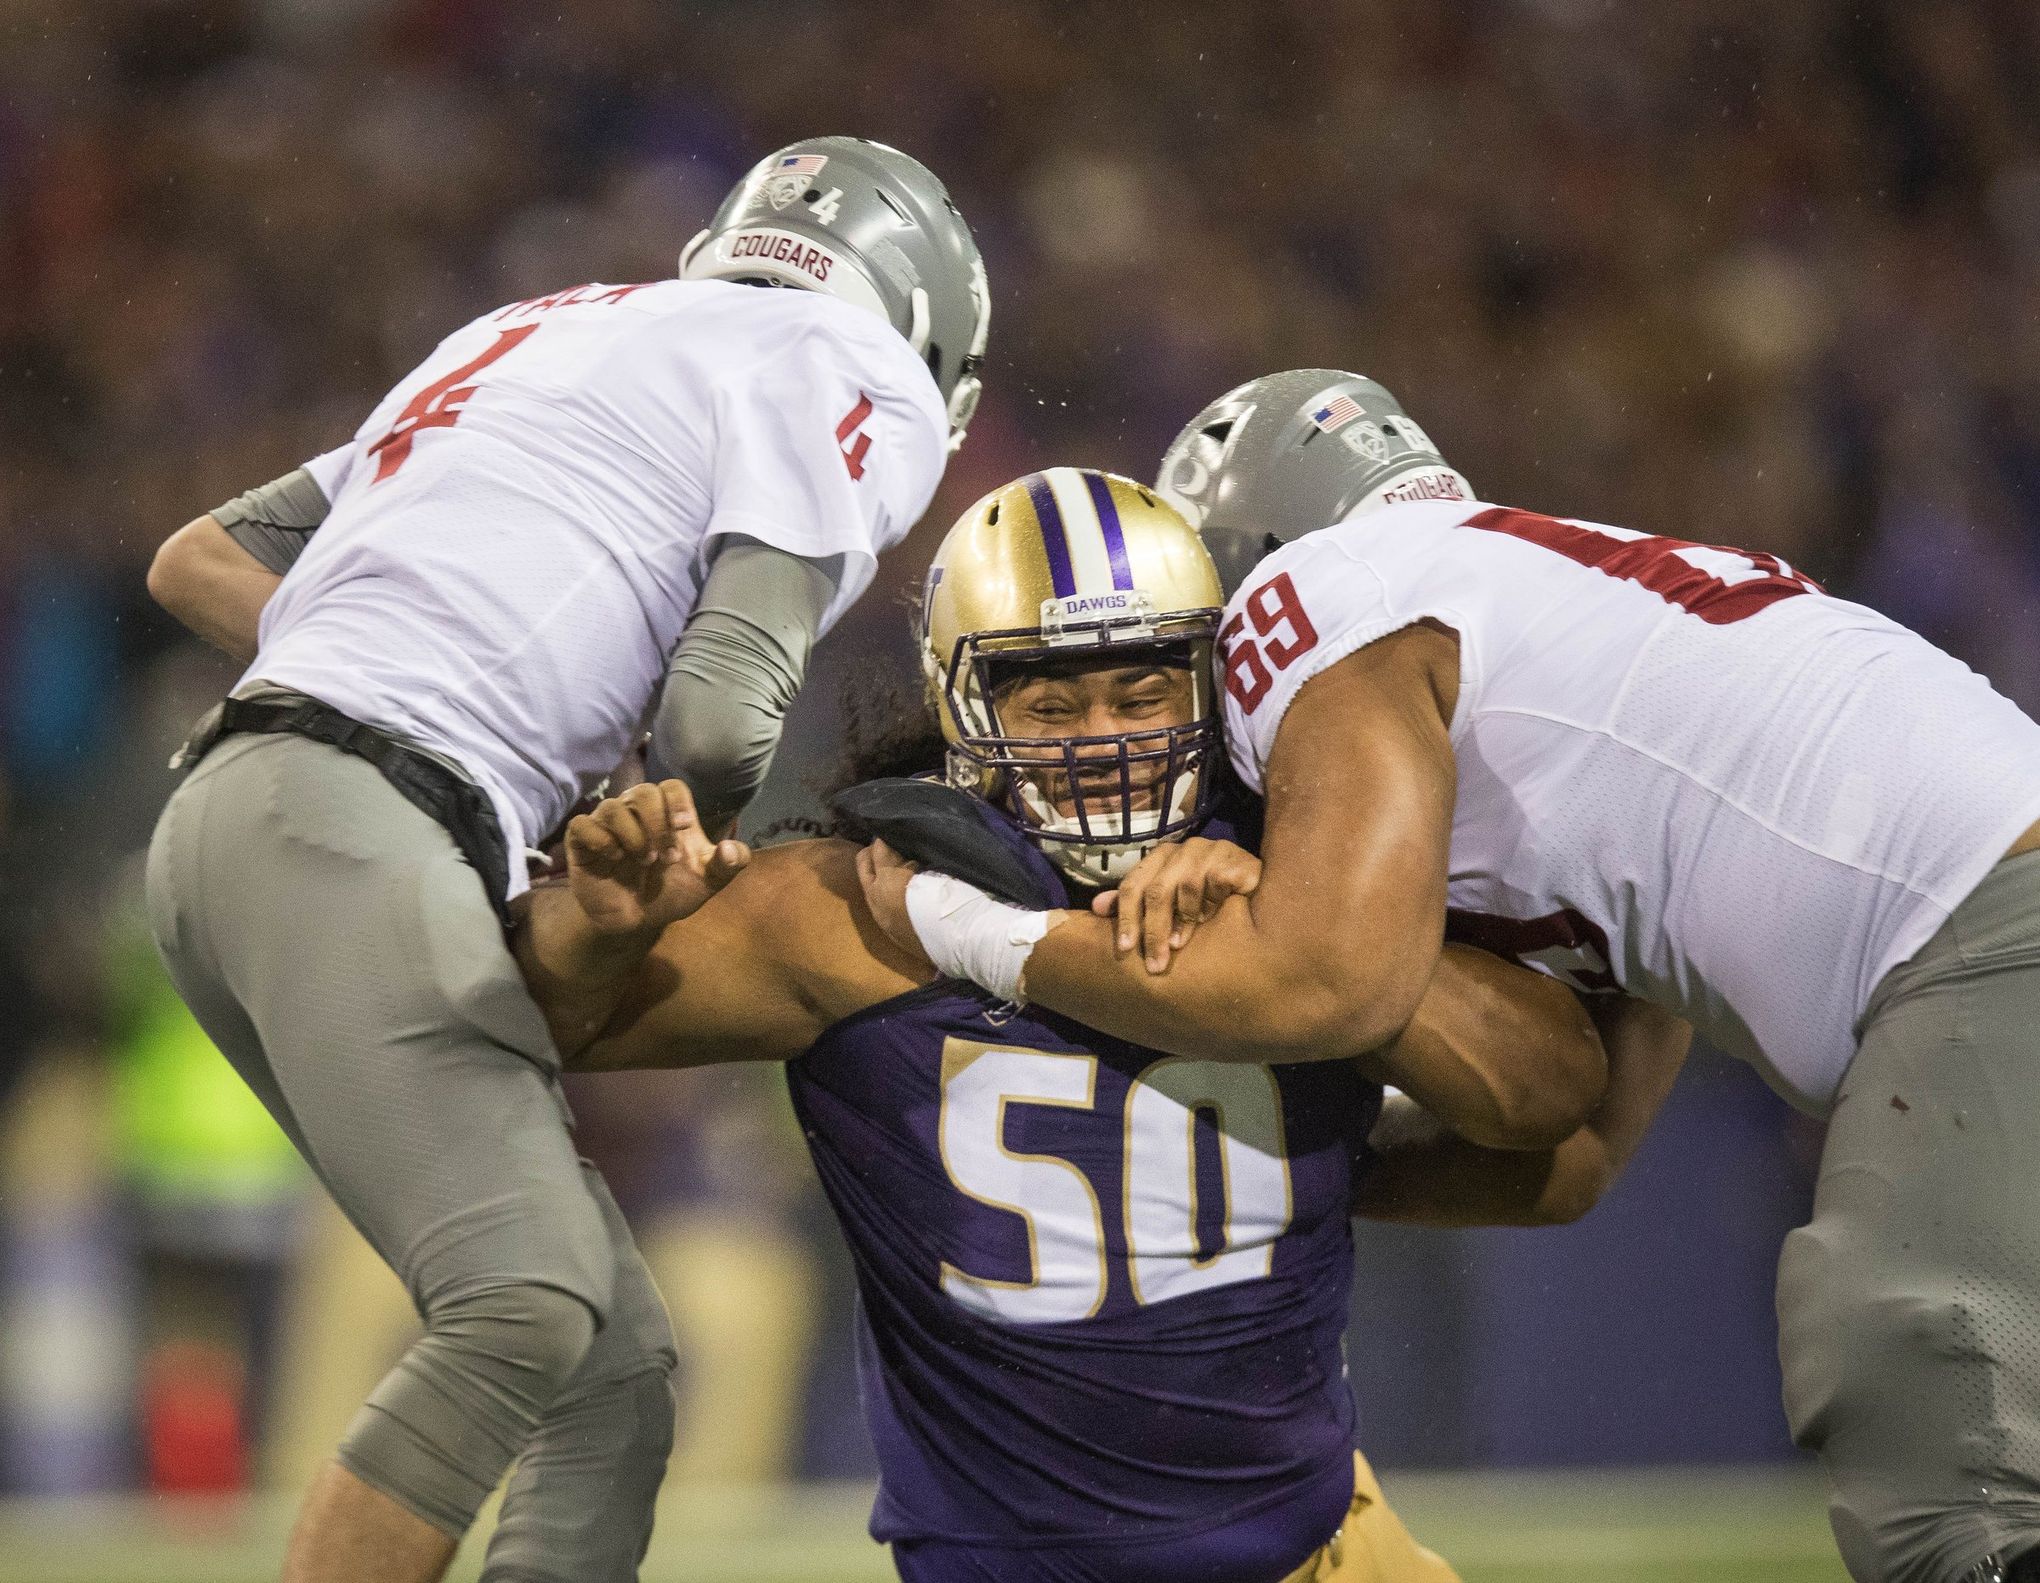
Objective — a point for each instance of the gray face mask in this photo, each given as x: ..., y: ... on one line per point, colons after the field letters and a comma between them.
x: 868, y: 224
x: 1289, y: 453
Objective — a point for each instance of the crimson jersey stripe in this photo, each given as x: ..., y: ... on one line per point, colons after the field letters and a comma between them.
x: 1656, y: 564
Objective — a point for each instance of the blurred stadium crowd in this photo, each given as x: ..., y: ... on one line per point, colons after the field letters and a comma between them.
x: 1729, y: 270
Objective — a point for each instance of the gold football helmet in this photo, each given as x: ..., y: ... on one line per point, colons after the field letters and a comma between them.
x: 1061, y: 566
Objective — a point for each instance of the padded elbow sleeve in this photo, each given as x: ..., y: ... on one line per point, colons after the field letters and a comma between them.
x: 735, y: 671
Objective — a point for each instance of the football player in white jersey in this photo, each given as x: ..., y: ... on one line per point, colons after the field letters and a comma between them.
x: 1679, y: 772
x: 613, y: 505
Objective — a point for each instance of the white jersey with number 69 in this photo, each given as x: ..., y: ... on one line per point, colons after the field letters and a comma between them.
x: 519, y: 531
x: 1684, y: 772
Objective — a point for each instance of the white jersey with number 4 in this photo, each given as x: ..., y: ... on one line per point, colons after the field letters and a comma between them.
x: 1683, y: 772
x: 519, y: 531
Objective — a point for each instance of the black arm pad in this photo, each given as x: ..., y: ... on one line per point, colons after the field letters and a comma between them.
x: 944, y: 829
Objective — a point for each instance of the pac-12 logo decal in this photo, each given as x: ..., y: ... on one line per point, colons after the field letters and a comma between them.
x: 791, y: 176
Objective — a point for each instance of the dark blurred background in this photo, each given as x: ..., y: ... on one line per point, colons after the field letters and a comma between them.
x: 1731, y: 270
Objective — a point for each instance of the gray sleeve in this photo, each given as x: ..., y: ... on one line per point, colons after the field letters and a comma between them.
x: 736, y: 669
x: 275, y: 522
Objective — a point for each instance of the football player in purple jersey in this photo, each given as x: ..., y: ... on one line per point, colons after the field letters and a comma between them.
x: 1102, y: 1290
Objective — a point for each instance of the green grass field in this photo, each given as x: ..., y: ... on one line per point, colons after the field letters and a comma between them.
x: 1674, y: 1526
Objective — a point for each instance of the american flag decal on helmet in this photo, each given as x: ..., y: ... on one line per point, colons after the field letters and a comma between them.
x: 1336, y: 413
x: 800, y: 165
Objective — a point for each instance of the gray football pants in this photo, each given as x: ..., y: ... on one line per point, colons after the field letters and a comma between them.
x: 338, y: 948
x: 1909, y: 1307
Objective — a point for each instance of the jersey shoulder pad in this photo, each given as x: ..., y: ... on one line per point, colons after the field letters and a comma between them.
x: 947, y: 830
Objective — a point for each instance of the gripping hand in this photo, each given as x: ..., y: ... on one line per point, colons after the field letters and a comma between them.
x: 641, y: 861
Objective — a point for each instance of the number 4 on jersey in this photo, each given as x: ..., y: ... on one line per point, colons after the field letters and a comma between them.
x: 853, y: 455
x: 440, y: 404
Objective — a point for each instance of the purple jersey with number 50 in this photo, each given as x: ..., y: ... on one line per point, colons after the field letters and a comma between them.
x: 1103, y: 1290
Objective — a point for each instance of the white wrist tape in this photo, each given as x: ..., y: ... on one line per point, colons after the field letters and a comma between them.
x: 968, y: 934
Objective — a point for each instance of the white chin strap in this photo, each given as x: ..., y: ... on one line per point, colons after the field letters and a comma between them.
x: 963, y: 400
x: 963, y: 403
x: 1103, y: 863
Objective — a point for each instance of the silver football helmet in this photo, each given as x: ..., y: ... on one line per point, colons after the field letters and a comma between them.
x: 1287, y: 454
x: 873, y: 226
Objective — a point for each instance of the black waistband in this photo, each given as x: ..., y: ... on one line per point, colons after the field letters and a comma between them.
x: 435, y: 790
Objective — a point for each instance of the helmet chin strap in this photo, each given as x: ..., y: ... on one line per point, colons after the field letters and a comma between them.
x: 918, y: 331
x: 1104, y: 863
x: 963, y: 403
x: 963, y: 400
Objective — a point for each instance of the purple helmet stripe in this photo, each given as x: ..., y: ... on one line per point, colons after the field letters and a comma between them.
x: 1054, y: 537
x: 1108, y: 520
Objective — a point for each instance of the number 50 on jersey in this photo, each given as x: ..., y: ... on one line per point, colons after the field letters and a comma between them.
x: 1157, y: 1217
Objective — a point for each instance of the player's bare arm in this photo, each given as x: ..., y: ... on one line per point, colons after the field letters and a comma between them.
x: 636, y: 964
x: 1498, y: 1053
x: 212, y: 585
x: 217, y: 572
x: 1330, y: 955
x: 635, y: 864
x: 1424, y: 1174
x: 1509, y: 1055
x: 760, y: 972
